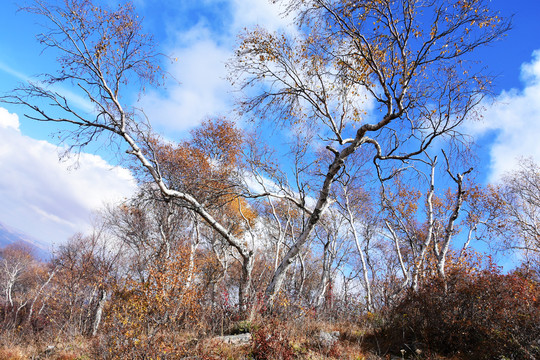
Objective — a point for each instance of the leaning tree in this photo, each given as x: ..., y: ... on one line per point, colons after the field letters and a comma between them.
x: 385, y: 78
x: 105, y: 55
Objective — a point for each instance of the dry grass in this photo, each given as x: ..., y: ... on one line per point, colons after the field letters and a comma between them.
x: 75, y: 348
x: 12, y: 354
x: 299, y: 339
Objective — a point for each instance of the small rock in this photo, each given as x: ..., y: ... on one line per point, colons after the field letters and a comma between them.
x: 240, y: 339
x: 328, y: 338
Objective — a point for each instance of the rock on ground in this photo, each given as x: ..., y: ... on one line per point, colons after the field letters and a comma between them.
x: 240, y: 339
x: 328, y: 338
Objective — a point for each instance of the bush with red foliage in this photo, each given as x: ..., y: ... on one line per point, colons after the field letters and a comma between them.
x: 271, y: 341
x: 479, y: 315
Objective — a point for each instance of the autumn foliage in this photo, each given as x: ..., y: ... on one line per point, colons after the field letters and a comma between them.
x: 205, y: 165
x: 353, y: 225
x: 144, y: 318
x: 480, y: 314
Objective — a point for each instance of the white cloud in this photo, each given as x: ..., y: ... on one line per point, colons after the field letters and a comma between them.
x: 41, y: 196
x: 514, y: 118
x: 262, y: 13
x: 202, y: 52
x: 8, y: 120
x: 203, y: 90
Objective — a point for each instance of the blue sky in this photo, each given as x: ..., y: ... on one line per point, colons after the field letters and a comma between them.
x: 51, y: 200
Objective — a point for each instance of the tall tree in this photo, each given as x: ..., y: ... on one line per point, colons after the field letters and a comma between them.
x: 104, y: 53
x: 407, y: 57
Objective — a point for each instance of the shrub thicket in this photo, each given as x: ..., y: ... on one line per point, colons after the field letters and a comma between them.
x: 475, y: 315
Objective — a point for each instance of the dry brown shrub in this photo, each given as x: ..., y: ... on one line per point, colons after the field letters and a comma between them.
x: 474, y: 314
x: 12, y: 354
x: 150, y: 319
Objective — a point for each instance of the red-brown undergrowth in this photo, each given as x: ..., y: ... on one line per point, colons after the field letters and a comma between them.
x: 479, y: 315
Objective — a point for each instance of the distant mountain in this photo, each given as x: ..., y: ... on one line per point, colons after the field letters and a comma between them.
x: 10, y: 235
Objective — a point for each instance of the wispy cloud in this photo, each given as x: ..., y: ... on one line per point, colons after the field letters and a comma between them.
x: 79, y: 101
x: 202, y: 89
x: 13, y: 72
x: 263, y: 13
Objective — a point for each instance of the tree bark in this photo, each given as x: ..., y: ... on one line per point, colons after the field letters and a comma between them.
x: 99, y: 311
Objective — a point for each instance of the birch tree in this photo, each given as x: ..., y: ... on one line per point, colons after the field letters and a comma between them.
x: 104, y: 55
x: 385, y: 76
x: 15, y: 260
x: 355, y: 207
x: 521, y: 194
